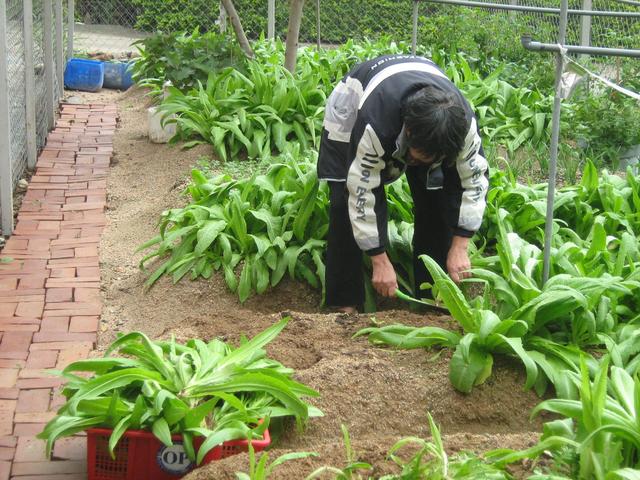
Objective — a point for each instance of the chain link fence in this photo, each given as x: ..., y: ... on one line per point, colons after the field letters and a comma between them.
x: 31, y: 28
x: 16, y: 92
x: 111, y: 26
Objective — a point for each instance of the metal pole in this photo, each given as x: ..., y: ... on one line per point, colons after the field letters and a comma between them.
x: 555, y: 136
x: 223, y: 18
x: 271, y: 19
x: 414, y: 34
x: 585, y: 26
x: 71, y: 24
x: 512, y: 14
x: 529, y: 44
x: 6, y: 175
x: 59, y: 48
x: 318, y: 32
x: 49, y: 75
x: 30, y: 85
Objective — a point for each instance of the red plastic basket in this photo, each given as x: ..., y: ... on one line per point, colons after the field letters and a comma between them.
x: 141, y: 456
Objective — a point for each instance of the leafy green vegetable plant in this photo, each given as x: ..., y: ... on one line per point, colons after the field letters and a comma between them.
x: 261, y: 469
x: 350, y: 471
x: 265, y: 226
x: 213, y: 391
x: 599, y: 436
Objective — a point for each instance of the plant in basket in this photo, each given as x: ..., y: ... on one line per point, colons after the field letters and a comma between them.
x: 198, y: 394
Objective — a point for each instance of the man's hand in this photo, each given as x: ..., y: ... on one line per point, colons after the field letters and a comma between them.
x: 458, y: 263
x: 384, y: 276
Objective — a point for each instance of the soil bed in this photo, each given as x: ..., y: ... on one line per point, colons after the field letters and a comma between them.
x: 380, y: 394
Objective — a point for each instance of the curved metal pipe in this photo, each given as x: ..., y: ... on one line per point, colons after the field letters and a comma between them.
x: 532, y: 45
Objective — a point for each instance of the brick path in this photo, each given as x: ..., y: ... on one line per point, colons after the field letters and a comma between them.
x: 50, y: 293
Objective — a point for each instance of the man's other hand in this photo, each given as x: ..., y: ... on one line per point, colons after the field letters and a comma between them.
x: 384, y: 276
x: 458, y: 263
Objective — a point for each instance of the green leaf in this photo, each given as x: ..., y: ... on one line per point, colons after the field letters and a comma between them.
x: 208, y: 233
x: 119, y: 430
x: 469, y: 365
x: 160, y: 429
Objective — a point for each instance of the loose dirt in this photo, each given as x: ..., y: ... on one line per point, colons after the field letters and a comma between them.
x: 380, y: 394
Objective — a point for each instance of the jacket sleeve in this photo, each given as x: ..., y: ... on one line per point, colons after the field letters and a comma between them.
x: 466, y: 184
x: 366, y: 196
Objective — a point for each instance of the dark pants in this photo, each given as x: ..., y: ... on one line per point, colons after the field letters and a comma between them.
x: 432, y: 236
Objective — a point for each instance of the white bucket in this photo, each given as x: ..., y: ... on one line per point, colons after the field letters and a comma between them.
x: 157, y: 132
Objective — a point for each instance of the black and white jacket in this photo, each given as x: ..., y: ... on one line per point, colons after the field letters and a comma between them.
x: 364, y: 145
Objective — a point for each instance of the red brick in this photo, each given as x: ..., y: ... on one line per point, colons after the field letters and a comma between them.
x: 62, y: 253
x: 17, y: 320
x: 55, y: 324
x: 8, y: 284
x: 7, y: 409
x: 19, y: 327
x: 9, y: 393
x: 39, y: 244
x: 75, y: 242
x: 73, y: 309
x: 62, y: 476
x: 88, y: 251
x: 59, y: 295
x: 33, y: 401
x: 30, y: 449
x: 5, y: 470
x: 33, y: 383
x: 8, y: 309
x: 42, y: 359
x: 84, y: 324
x: 63, y: 272
x: 73, y: 262
x: 31, y: 282
x: 30, y: 309
x: 87, y: 295
x: 27, y: 429
x: 34, y: 417
x: 8, y: 441
x: 13, y: 355
x: 57, y: 401
x: 63, y: 337
x: 88, y: 272
x: 17, y: 243
x: 57, y: 467
x: 15, y: 342
x: 45, y: 225
x: 88, y: 282
x: 71, y: 448
x: 36, y: 373
x: 7, y: 453
x: 12, y: 364
x: 72, y: 354
x: 19, y: 296
x: 81, y: 346
x: 8, y: 377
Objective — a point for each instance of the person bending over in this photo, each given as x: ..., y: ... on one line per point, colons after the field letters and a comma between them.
x: 391, y: 115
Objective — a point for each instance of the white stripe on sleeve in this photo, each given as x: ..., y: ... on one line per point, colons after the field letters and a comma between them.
x: 363, y: 177
x: 471, y: 168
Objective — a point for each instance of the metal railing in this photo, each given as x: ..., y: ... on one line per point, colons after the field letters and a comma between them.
x: 31, y: 81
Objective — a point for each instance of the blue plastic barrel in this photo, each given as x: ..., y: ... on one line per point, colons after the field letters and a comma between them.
x: 117, y: 75
x: 86, y: 75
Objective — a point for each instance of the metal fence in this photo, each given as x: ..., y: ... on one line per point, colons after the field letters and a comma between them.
x: 31, y: 69
x: 109, y: 27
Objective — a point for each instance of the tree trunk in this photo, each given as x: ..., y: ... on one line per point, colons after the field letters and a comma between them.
x: 237, y: 26
x: 293, y: 34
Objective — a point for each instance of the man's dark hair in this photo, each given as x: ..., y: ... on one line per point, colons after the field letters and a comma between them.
x: 436, y: 122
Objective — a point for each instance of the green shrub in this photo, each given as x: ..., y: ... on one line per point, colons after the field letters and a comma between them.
x: 176, y: 15
x: 185, y: 59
